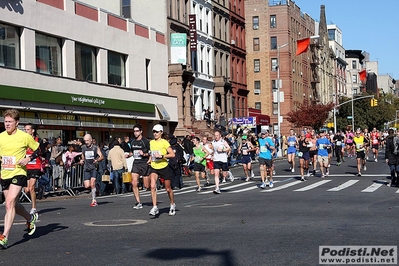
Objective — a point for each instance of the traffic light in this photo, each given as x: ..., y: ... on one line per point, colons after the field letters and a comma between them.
x: 373, y: 102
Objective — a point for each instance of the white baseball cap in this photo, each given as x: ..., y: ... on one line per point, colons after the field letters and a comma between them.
x: 158, y: 127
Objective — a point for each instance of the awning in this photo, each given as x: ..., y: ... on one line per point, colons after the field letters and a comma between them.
x: 163, y: 113
x: 261, y: 119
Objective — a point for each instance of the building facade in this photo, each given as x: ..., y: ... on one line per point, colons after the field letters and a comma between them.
x: 78, y: 68
x: 273, y: 27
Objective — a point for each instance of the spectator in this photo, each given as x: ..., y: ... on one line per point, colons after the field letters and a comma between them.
x: 392, y: 156
x: 118, y: 161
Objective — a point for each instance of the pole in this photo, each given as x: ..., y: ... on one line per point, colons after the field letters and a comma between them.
x: 278, y: 91
x: 335, y: 120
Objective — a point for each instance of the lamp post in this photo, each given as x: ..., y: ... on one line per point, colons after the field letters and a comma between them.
x: 279, y: 83
x: 353, y: 117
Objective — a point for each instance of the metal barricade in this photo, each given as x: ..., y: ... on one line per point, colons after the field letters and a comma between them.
x: 74, y: 179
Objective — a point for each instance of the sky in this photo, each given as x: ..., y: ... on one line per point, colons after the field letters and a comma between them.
x: 367, y: 25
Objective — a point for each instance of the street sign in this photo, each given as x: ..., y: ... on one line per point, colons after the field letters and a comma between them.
x: 349, y: 117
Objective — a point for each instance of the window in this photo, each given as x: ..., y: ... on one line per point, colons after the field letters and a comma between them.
x: 178, y: 9
x: 48, y: 55
x: 273, y: 21
x: 354, y: 65
x: 275, y: 108
x: 255, y: 22
x: 116, y: 69
x: 273, y: 43
x: 258, y: 105
x: 256, y: 65
x: 354, y: 78
x: 274, y: 64
x: 256, y: 44
x: 331, y: 34
x: 257, y: 87
x: 274, y: 84
x: 147, y: 74
x: 126, y: 9
x: 85, y: 62
x: 9, y: 46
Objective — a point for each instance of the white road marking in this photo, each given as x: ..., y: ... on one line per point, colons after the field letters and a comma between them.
x: 373, y: 187
x: 283, y: 186
x: 344, y: 185
x: 313, y: 185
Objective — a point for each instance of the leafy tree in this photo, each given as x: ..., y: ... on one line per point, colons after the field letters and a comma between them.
x: 310, y: 115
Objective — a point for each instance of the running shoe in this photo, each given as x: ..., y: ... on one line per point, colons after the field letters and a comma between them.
x: 207, y: 182
x: 359, y: 174
x: 93, y: 204
x: 263, y: 185
x: 198, y: 189
x: 308, y: 174
x: 376, y: 160
x: 364, y: 168
x: 274, y: 172
x: 271, y: 184
x: 154, y: 211
x: 231, y: 176
x: 138, y: 205
x: 338, y: 164
x: 172, y: 210
x: 224, y: 180
x: 302, y: 178
x: 322, y: 176
x: 31, y: 224
x: 252, y: 174
x: 3, y: 242
x: 292, y: 170
x: 327, y: 173
x: 247, y: 179
x: 216, y: 191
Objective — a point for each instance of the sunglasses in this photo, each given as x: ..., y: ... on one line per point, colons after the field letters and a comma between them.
x: 137, y: 130
x: 154, y: 131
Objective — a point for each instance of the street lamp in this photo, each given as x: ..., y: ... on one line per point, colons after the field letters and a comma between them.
x: 353, y: 117
x: 279, y: 83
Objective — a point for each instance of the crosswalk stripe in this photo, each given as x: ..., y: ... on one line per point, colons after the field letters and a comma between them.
x: 397, y: 191
x: 344, y: 185
x: 233, y: 186
x: 372, y: 188
x: 244, y: 189
x: 313, y: 185
x: 283, y: 186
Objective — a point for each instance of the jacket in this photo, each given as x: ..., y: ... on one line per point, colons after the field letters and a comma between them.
x: 389, y: 148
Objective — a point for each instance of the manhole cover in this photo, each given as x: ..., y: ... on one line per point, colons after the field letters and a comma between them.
x: 123, y: 222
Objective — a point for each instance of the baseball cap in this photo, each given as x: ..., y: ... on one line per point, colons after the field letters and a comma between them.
x: 264, y: 131
x: 244, y: 137
x: 158, y: 127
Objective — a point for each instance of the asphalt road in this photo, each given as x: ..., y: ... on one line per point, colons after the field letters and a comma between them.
x: 244, y: 225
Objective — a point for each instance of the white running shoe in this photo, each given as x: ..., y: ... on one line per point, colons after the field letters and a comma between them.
x: 172, y: 210
x: 231, y: 176
x: 292, y: 170
x: 154, y: 211
x: 252, y: 174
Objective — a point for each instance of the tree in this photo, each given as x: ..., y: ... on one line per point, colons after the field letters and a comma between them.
x: 310, y: 115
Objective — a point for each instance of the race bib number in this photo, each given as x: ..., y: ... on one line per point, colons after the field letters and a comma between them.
x: 300, y: 154
x: 263, y: 149
x: 310, y: 145
x: 89, y: 155
x: 154, y: 154
x: 358, y: 146
x: 339, y: 143
x: 244, y: 152
x: 8, y: 162
x: 321, y: 147
x: 136, y: 154
x: 291, y: 143
x: 32, y: 162
x: 375, y: 141
x: 197, y: 159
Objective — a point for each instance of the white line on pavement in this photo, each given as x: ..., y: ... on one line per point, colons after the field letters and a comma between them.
x: 373, y: 187
x: 283, y: 186
x: 344, y: 185
x: 313, y: 185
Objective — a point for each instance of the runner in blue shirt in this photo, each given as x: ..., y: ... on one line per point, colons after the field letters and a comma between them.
x: 322, y: 154
x: 265, y: 149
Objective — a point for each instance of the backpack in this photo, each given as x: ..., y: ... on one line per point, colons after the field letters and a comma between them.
x: 396, y: 145
x: 178, y: 155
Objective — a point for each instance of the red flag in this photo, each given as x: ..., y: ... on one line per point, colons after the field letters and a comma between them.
x: 362, y: 75
x: 302, y: 45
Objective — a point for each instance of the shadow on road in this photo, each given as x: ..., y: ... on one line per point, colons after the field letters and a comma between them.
x: 190, y: 253
x: 41, y: 231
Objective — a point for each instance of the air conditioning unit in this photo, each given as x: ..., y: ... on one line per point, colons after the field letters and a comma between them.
x: 233, y: 42
x: 256, y: 91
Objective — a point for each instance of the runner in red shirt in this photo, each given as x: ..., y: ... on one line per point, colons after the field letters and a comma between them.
x: 375, y: 143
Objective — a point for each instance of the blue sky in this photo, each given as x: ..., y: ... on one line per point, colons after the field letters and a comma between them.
x: 366, y: 25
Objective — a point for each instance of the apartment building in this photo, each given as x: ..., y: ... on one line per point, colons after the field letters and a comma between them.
x: 80, y: 68
x: 335, y: 43
x: 273, y: 27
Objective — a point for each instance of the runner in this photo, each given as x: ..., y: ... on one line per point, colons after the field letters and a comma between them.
x: 33, y: 167
x: 322, y: 154
x: 292, y: 144
x: 221, y: 149
x: 303, y: 154
x: 199, y: 158
x: 13, y: 146
x: 375, y: 143
x: 209, y: 159
x: 339, y: 141
x: 160, y: 152
x: 359, y: 142
x: 313, y: 150
x: 367, y: 136
x: 245, y: 150
x: 140, y: 148
x: 265, y: 149
x: 349, y: 143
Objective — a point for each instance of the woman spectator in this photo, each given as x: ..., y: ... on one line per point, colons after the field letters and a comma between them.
x: 70, y: 164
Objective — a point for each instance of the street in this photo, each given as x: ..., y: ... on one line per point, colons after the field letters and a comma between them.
x: 244, y: 225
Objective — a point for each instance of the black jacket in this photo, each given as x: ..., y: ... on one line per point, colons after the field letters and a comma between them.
x: 389, y: 148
